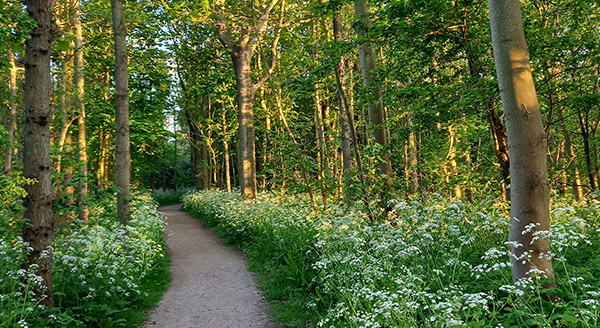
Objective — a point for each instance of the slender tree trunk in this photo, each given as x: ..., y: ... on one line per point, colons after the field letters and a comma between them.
x: 500, y: 148
x: 571, y: 161
x: 175, y: 157
x: 452, y: 169
x: 367, y: 63
x: 227, y: 169
x: 585, y: 135
x: 530, y: 191
x: 413, y: 160
x: 66, y: 83
x: 122, y: 156
x: 101, y: 160
x: 343, y: 100
x: 12, y: 123
x: 36, y: 145
x: 242, y: 56
x: 80, y: 108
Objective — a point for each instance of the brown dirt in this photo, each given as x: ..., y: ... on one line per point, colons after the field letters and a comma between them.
x: 211, y: 286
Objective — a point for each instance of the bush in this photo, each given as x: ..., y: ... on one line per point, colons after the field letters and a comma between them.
x: 430, y: 264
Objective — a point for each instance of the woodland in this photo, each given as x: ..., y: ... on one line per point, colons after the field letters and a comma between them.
x: 390, y: 163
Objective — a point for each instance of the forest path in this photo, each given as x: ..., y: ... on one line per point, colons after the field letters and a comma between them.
x: 211, y: 286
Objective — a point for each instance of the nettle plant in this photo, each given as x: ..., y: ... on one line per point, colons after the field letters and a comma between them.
x: 431, y: 263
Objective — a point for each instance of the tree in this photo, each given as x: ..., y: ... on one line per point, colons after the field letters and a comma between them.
x: 367, y: 63
x: 80, y: 109
x: 122, y: 156
x: 527, y: 143
x: 36, y: 144
x: 241, y: 49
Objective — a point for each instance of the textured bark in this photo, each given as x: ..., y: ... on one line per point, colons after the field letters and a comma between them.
x: 242, y: 57
x: 122, y: 153
x: 527, y: 143
x: 80, y: 109
x: 367, y: 63
x: 12, y: 123
x: 36, y: 144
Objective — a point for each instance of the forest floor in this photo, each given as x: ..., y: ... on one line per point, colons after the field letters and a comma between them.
x: 211, y: 286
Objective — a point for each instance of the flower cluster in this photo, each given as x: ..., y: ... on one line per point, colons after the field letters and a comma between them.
x: 428, y: 264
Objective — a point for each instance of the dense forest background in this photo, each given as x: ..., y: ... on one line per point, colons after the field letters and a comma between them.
x: 434, y: 81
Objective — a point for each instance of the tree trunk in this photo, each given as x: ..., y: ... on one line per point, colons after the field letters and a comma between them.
x: 500, y: 148
x: 225, y: 147
x: 241, y: 57
x: 343, y: 100
x: 122, y: 153
x: 585, y: 135
x: 80, y: 108
x: 530, y: 191
x: 12, y: 123
x: 36, y: 145
x: 367, y: 63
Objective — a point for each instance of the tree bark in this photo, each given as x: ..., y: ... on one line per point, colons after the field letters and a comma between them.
x: 122, y: 153
x: 36, y: 145
x: 12, y: 123
x: 241, y: 57
x: 80, y: 108
x: 367, y: 63
x: 530, y: 191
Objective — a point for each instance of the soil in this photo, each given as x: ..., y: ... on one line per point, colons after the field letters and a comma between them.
x: 211, y: 286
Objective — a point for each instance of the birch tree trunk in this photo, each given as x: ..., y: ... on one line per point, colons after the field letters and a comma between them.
x: 122, y: 153
x: 36, y: 145
x: 527, y: 144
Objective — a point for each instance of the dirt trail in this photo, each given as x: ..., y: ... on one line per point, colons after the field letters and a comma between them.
x: 211, y: 286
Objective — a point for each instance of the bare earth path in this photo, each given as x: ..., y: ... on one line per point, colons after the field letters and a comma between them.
x: 211, y: 286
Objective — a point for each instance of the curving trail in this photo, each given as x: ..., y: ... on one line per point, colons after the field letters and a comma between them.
x: 211, y: 286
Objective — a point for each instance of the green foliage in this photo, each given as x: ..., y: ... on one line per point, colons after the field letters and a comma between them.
x: 104, y: 274
x: 430, y: 264
x: 170, y: 196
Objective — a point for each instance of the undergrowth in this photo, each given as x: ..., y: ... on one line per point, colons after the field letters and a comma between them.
x: 428, y: 264
x: 104, y: 274
x: 170, y: 196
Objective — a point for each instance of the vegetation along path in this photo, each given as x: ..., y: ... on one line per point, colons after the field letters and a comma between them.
x: 211, y: 286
